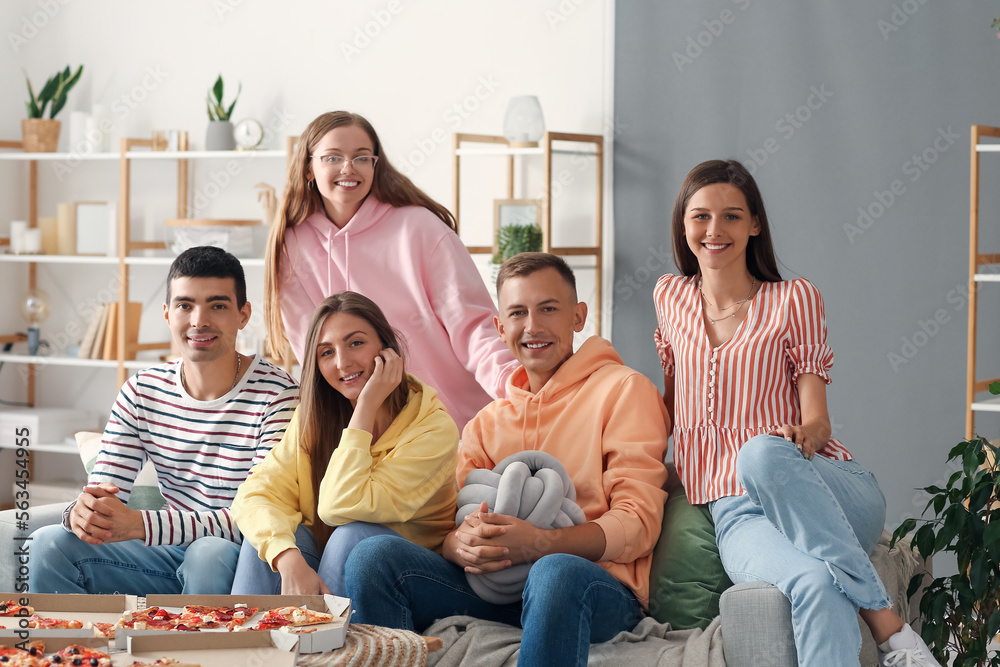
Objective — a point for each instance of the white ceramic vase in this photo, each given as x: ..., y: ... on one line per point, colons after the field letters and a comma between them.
x: 523, y: 123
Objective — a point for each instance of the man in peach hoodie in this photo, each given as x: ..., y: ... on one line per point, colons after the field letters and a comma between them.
x: 606, y: 424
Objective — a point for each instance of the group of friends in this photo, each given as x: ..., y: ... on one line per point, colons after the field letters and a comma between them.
x: 346, y: 482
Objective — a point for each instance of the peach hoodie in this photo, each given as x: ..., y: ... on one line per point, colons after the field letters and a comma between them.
x: 606, y: 424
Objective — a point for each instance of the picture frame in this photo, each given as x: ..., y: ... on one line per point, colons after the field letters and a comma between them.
x: 514, y: 212
x: 95, y: 228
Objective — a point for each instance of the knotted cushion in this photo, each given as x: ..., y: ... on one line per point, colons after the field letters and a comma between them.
x: 529, y: 485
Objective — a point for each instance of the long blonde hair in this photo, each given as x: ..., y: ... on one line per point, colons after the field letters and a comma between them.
x: 299, y: 201
x: 323, y: 411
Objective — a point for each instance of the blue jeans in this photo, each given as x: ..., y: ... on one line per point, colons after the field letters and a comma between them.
x: 255, y: 577
x: 568, y: 601
x: 807, y: 527
x: 63, y: 563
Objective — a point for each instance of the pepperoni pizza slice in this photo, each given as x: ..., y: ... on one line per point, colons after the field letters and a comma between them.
x: 294, y: 616
x: 42, y: 623
x: 77, y: 656
x: 205, y: 617
x: 12, y: 608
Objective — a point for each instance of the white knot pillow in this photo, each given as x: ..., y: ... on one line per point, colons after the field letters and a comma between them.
x: 529, y: 485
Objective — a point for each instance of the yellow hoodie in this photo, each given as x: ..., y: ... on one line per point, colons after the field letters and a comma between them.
x: 607, y: 425
x: 404, y: 481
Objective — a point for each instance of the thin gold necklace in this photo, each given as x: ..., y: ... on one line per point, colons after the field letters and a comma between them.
x: 753, y: 283
x: 239, y: 363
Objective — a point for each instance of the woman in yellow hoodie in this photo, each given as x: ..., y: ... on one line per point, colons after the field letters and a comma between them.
x: 377, y: 444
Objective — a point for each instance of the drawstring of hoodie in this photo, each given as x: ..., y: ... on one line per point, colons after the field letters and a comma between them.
x: 329, y: 261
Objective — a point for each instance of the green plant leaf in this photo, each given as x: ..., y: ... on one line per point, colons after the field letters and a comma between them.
x: 217, y: 90
x: 995, y: 387
x: 58, y: 104
x: 914, y: 585
x: 991, y: 535
x: 957, y: 450
x: 229, y: 111
x: 980, y: 496
x: 49, y: 89
x: 208, y: 106
x: 979, y: 573
x: 924, y: 540
x: 901, y: 532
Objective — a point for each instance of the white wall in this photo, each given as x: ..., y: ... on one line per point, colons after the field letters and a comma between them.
x: 418, y: 71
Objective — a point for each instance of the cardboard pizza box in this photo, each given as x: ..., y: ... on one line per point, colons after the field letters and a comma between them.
x: 85, y: 608
x: 53, y: 644
x: 209, y: 649
x: 315, y: 639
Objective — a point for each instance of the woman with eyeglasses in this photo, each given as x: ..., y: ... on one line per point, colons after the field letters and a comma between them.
x: 349, y: 220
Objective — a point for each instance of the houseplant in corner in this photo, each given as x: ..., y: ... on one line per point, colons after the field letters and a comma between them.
x: 961, y: 612
x: 40, y: 134
x: 219, y: 135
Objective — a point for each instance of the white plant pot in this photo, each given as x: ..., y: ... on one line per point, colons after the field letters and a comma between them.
x: 219, y: 136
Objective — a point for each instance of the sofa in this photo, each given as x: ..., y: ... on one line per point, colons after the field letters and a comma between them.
x: 754, y: 618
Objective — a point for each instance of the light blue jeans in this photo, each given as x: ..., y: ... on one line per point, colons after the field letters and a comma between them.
x: 807, y: 527
x: 255, y: 577
x: 60, y: 562
x: 568, y: 601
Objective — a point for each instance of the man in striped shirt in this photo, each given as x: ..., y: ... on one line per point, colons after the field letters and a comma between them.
x: 203, y: 421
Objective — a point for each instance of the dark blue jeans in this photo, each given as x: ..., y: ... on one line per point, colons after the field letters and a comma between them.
x: 568, y: 602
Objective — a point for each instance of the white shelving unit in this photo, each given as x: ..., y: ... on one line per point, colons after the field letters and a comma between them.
x: 977, y: 260
x: 130, y: 254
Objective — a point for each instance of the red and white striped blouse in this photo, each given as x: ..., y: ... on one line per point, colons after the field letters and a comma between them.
x: 724, y: 396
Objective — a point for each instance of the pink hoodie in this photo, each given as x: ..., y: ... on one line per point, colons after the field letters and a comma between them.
x: 419, y: 273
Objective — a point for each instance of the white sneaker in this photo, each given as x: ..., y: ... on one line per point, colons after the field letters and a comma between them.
x: 906, y: 649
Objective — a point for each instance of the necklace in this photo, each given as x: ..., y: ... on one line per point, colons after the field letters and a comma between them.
x: 753, y: 283
x: 239, y: 364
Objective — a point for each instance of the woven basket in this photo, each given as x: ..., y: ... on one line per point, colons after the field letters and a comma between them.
x: 40, y: 135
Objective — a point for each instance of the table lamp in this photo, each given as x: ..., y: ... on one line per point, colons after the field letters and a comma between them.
x: 34, y: 307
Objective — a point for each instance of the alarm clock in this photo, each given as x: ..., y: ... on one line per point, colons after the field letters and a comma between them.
x: 248, y: 133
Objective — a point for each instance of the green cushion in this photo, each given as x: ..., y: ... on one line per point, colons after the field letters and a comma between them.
x: 687, y: 578
x: 145, y: 491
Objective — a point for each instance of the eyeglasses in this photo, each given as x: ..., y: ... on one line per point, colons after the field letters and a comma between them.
x: 361, y: 162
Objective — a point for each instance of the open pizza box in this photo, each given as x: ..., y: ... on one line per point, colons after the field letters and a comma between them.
x: 53, y: 643
x: 85, y: 608
x: 311, y: 639
x: 211, y: 649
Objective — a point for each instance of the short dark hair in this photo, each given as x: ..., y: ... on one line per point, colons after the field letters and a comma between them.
x: 526, y: 263
x: 207, y: 261
x: 761, y: 262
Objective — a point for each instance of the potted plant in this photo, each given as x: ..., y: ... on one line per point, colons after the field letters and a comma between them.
x: 219, y: 135
x: 961, y: 613
x: 514, y: 239
x: 40, y: 134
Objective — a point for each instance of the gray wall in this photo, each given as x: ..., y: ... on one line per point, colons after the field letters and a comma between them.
x: 735, y: 78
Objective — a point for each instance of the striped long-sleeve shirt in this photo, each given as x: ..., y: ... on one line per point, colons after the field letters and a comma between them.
x: 202, y: 450
x: 725, y: 395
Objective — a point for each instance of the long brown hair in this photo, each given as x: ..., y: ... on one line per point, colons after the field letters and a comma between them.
x: 299, y: 201
x: 323, y: 412
x: 760, y: 252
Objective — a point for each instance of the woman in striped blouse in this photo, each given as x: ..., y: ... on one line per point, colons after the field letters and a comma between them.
x: 746, y: 366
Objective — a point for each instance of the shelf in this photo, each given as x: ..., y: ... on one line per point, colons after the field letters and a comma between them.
x: 989, y: 405
x: 988, y: 148
x: 60, y: 259
x: 142, y: 155
x: 987, y: 277
x: 166, y: 261
x: 53, y: 447
x: 535, y: 150
x: 8, y: 357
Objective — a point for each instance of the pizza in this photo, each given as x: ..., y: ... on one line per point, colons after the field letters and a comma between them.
x: 204, y: 617
x: 12, y: 656
x: 42, y: 623
x: 163, y: 661
x: 150, y: 618
x: 106, y: 630
x: 12, y: 608
x: 294, y: 616
x: 75, y: 656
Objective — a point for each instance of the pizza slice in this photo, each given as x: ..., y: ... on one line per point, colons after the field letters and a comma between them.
x: 294, y: 616
x: 205, y: 617
x: 150, y: 618
x: 75, y: 656
x: 12, y: 608
x: 106, y: 630
x: 162, y: 662
x: 12, y: 656
x: 42, y: 623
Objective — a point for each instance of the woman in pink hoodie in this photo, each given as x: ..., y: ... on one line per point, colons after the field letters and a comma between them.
x: 349, y: 220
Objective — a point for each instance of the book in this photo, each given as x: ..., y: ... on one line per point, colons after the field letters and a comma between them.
x: 110, y: 351
x: 97, y: 348
x: 87, y: 343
